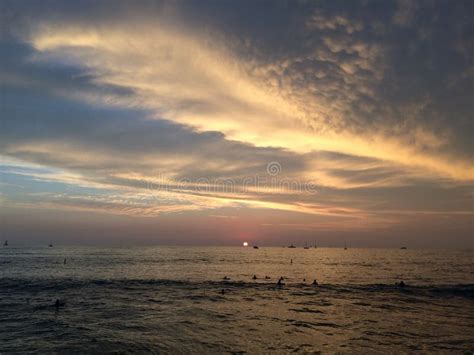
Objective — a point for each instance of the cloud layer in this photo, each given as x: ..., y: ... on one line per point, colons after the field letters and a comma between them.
x: 164, y: 108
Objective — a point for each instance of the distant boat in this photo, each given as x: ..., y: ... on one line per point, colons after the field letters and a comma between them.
x: 255, y: 246
x: 291, y: 246
x: 6, y: 243
x: 403, y: 248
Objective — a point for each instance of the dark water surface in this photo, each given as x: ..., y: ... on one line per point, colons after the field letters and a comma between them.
x: 168, y: 299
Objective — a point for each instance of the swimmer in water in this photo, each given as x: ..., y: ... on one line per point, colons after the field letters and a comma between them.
x: 315, y: 283
x: 280, y: 283
x: 58, y: 304
x: 226, y: 278
x: 401, y: 284
x: 222, y: 292
x: 254, y: 277
x: 291, y: 261
x: 267, y: 277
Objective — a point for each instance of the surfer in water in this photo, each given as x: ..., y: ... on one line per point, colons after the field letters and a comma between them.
x: 58, y: 304
x: 315, y: 283
x: 254, y: 277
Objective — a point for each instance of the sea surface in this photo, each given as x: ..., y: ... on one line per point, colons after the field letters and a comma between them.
x: 170, y: 300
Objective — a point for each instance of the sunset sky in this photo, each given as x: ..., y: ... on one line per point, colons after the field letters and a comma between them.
x: 218, y: 122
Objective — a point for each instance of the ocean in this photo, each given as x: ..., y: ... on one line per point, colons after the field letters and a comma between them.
x: 175, y: 300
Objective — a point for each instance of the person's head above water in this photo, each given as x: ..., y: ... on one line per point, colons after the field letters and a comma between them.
x: 58, y: 303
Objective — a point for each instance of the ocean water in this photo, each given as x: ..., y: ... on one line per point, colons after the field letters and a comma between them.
x: 169, y: 299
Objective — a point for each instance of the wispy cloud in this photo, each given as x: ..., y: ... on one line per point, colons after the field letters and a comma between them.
x: 193, y: 78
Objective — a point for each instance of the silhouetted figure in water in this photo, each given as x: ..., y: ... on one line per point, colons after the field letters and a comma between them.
x: 58, y: 304
x: 291, y: 261
x: 315, y: 283
x: 280, y: 281
x: 226, y: 278
x: 304, y: 280
x: 254, y: 277
x: 222, y: 292
x: 64, y: 262
x: 401, y: 284
x: 267, y: 277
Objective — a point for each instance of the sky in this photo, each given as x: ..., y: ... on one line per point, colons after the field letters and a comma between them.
x: 218, y: 122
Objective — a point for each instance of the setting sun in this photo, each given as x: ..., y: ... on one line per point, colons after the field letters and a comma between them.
x: 245, y: 244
